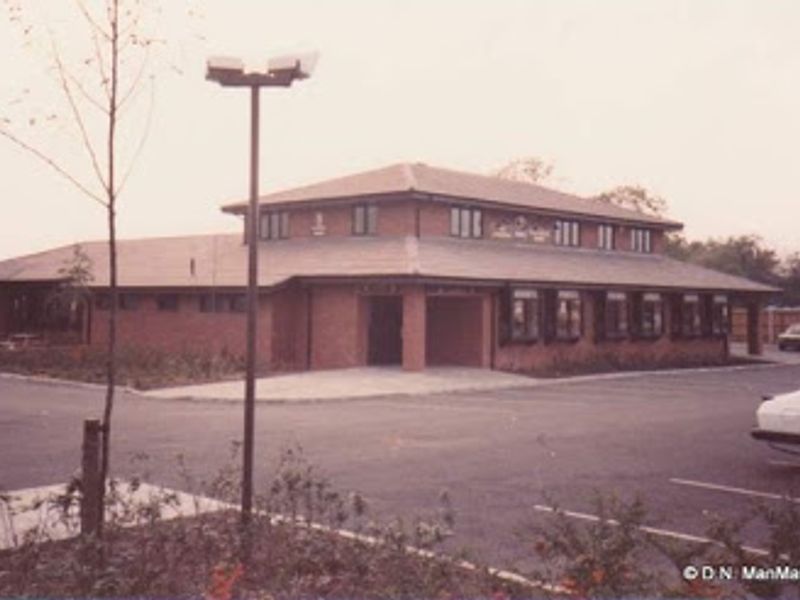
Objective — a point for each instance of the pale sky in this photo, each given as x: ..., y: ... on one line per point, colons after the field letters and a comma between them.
x: 697, y: 100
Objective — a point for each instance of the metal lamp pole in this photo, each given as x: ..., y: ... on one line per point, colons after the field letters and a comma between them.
x: 229, y: 72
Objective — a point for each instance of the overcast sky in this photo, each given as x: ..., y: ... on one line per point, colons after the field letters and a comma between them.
x: 698, y: 101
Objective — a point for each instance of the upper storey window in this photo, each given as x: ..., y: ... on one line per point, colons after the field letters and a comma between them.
x: 605, y: 237
x: 466, y: 222
x: 566, y: 233
x: 274, y: 225
x: 365, y: 219
x: 641, y: 240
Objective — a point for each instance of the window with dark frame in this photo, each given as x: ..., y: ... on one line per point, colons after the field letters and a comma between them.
x: 466, y: 222
x: 566, y: 233
x: 525, y: 309
x: 605, y: 237
x: 641, y: 240
x: 651, y: 322
x: 720, y: 315
x: 128, y: 301
x: 690, y: 315
x: 273, y: 225
x: 365, y: 219
x: 616, y: 315
x: 221, y: 303
x: 167, y: 302
x: 568, y: 315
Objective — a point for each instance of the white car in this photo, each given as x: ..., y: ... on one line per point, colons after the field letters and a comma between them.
x: 778, y: 420
x: 790, y: 339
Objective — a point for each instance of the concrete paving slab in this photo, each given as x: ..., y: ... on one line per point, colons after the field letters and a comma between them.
x: 35, y: 515
x: 361, y: 382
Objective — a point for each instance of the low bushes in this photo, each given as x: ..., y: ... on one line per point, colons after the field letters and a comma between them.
x: 137, y: 368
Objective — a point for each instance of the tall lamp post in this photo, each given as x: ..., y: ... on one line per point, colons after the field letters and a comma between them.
x: 230, y: 72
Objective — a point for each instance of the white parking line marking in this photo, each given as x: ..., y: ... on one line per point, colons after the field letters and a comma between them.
x: 677, y: 535
x: 783, y: 463
x: 730, y: 489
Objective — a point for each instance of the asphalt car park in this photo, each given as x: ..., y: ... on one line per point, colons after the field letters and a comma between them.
x: 681, y: 440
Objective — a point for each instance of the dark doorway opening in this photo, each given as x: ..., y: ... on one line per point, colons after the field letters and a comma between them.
x: 385, y: 325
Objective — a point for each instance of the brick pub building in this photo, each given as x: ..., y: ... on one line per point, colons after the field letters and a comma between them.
x: 411, y: 265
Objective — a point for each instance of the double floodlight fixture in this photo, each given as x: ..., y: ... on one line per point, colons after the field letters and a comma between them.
x: 280, y: 71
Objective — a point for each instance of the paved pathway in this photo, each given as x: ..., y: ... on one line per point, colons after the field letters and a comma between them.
x: 353, y: 383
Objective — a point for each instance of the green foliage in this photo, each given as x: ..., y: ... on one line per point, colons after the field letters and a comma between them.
x: 67, y: 302
x: 744, y: 256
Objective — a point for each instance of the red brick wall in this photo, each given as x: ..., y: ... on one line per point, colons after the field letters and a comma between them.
x: 184, y: 330
x: 434, y: 219
x: 781, y: 319
x: 560, y: 356
x: 290, y: 329
x: 338, y: 221
x: 338, y: 327
x: 397, y: 218
x: 456, y: 331
x: 414, y: 328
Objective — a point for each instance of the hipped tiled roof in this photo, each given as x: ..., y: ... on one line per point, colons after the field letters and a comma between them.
x: 221, y: 261
x: 420, y: 178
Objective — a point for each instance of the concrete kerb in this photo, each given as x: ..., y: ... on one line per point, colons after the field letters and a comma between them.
x: 530, y: 383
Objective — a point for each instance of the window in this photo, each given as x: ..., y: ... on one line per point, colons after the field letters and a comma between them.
x: 651, y: 323
x: 566, y: 233
x: 466, y: 222
x: 568, y: 315
x: 690, y: 315
x: 616, y: 314
x: 605, y: 237
x: 168, y: 302
x: 720, y: 315
x: 222, y: 303
x: 641, y: 240
x: 128, y: 301
x: 102, y: 301
x: 524, y: 315
x: 274, y: 225
x: 365, y: 219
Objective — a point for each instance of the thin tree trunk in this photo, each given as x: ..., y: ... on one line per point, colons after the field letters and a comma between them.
x: 111, y: 363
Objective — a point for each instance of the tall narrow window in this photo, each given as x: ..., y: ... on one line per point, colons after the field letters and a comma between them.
x: 365, y: 219
x: 466, y: 222
x: 524, y: 315
x: 690, y: 317
x: 652, y: 315
x: 641, y: 240
x: 568, y: 315
x: 605, y: 237
x: 273, y: 225
x: 616, y: 314
x: 720, y: 315
x: 566, y: 233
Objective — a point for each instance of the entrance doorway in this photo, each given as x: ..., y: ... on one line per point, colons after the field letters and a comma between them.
x: 385, y: 345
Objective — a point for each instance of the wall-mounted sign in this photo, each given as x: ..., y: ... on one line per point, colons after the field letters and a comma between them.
x: 521, y: 228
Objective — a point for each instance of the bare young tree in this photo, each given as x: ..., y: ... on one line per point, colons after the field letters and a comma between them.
x: 528, y: 170
x: 102, y: 69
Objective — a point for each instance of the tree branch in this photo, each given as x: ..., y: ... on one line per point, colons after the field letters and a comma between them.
x: 54, y: 165
x: 76, y: 113
x: 91, y: 20
x: 136, y: 80
x: 142, y: 140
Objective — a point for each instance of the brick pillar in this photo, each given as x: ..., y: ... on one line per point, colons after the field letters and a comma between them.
x: 414, y: 328
x: 755, y: 344
x: 486, y: 331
